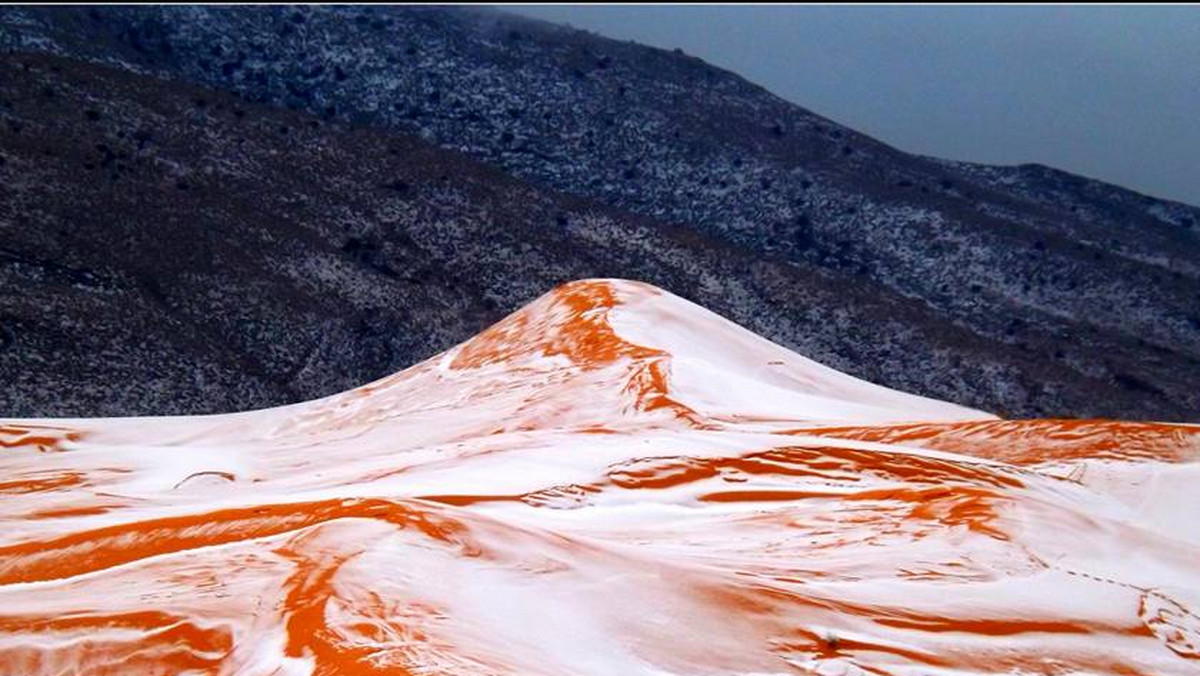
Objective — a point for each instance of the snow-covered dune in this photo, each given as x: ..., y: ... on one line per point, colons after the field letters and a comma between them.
x: 610, y: 481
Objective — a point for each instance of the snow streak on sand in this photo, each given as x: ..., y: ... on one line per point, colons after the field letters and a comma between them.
x: 610, y: 481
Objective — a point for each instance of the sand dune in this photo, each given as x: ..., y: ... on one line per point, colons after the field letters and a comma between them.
x: 610, y: 481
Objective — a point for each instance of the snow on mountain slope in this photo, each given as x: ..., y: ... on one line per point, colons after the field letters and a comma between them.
x: 1019, y: 289
x: 609, y: 481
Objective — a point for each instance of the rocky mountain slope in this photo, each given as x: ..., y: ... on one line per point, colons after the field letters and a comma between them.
x: 1021, y: 290
x: 555, y: 494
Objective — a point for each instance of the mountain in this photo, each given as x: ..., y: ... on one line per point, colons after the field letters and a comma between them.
x: 610, y: 480
x: 1021, y: 290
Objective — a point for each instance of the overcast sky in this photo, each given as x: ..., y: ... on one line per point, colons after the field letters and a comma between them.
x: 1103, y: 91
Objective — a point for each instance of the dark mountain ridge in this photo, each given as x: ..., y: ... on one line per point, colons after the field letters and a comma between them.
x: 1019, y: 289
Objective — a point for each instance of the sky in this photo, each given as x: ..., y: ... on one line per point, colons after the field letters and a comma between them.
x: 1110, y: 92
